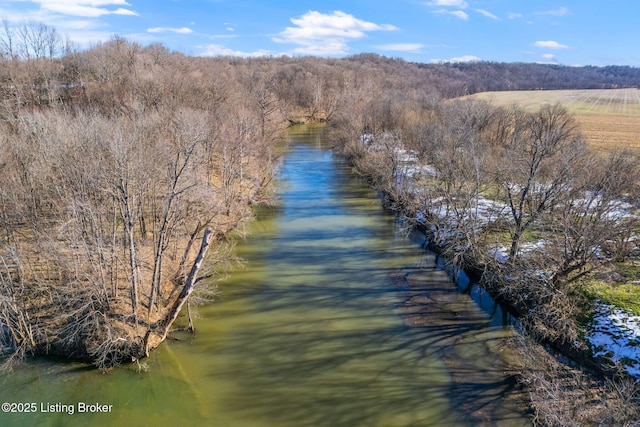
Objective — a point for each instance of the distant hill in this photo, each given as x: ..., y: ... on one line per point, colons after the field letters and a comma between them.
x: 495, y: 76
x: 458, y: 79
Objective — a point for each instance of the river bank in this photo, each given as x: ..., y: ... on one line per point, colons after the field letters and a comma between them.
x: 559, y: 384
x: 560, y: 374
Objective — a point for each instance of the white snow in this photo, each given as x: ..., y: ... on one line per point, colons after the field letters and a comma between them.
x: 614, y: 333
x: 500, y: 254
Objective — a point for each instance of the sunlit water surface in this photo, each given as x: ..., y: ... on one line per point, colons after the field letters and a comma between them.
x: 336, y: 319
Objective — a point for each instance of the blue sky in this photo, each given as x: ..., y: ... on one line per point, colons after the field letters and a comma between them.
x: 568, y: 32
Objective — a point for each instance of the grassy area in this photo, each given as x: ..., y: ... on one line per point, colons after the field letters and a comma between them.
x: 608, y: 118
x: 623, y: 295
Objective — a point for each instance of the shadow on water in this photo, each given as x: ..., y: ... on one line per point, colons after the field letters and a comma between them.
x: 476, y: 351
x: 348, y: 366
x: 356, y: 368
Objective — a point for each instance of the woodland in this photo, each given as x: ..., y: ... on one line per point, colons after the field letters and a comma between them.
x: 127, y: 170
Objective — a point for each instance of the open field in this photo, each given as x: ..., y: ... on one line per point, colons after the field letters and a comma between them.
x: 608, y: 118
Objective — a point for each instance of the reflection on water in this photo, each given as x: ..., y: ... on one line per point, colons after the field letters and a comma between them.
x: 335, y: 320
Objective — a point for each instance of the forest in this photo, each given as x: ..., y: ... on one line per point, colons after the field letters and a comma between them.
x: 123, y: 164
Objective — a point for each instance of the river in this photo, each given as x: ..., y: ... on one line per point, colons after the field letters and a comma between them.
x: 336, y: 318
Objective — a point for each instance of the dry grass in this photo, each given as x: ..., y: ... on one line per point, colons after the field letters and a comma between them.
x: 605, y: 132
x: 565, y: 396
x: 608, y: 118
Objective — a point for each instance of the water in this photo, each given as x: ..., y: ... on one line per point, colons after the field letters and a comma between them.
x: 336, y: 319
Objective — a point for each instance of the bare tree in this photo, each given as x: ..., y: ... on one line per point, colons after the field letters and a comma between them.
x: 538, y: 155
x: 31, y: 40
x: 594, y: 222
x: 8, y: 41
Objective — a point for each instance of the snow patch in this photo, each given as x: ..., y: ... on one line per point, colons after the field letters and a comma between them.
x: 615, y: 334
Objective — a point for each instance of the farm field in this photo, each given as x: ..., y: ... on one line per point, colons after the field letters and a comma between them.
x: 608, y: 118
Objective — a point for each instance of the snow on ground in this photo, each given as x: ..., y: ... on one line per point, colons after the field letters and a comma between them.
x: 615, y: 334
x: 406, y: 156
x: 500, y: 254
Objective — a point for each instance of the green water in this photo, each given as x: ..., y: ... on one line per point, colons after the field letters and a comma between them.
x: 336, y: 319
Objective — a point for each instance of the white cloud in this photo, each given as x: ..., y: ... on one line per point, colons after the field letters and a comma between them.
x: 459, y: 4
x: 548, y: 58
x: 329, y: 48
x: 462, y: 4
x: 402, y: 47
x: 322, y: 34
x: 556, y: 12
x: 223, y: 36
x: 550, y: 44
x: 219, y: 50
x: 457, y: 13
x: 316, y: 25
x: 86, y: 8
x: 183, y: 30
x: 464, y: 58
x: 487, y: 14
x: 513, y: 15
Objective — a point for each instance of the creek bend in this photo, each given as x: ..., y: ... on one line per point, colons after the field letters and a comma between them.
x: 336, y: 319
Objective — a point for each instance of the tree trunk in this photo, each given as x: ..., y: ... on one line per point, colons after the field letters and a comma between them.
x: 187, y: 290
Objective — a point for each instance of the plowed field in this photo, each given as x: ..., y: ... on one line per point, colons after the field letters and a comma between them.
x: 608, y: 118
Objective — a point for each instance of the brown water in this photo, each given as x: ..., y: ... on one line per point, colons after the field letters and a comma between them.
x: 336, y: 319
